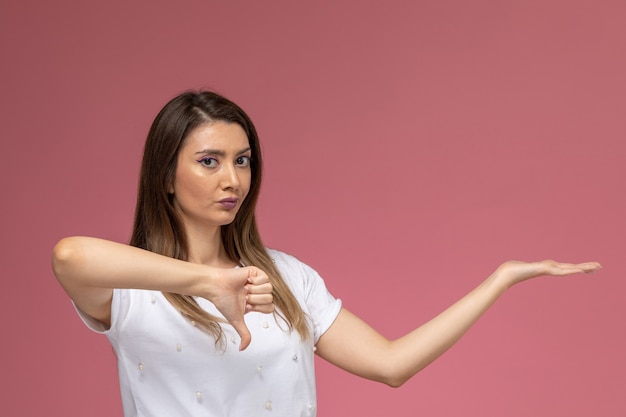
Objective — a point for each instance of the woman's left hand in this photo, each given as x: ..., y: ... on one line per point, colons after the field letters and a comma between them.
x: 353, y: 345
x: 514, y: 272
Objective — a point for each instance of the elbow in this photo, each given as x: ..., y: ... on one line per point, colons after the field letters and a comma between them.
x: 395, y: 381
x: 392, y: 377
x: 65, y: 256
x: 398, y: 376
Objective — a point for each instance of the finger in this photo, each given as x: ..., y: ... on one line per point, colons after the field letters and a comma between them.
x: 258, y: 299
x: 590, y: 266
x: 256, y: 276
x: 253, y: 272
x: 243, y: 332
x: 259, y: 289
x: 261, y: 308
x: 258, y: 279
x: 562, y: 268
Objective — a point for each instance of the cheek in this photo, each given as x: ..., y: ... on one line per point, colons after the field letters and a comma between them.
x: 247, y: 180
x: 189, y: 183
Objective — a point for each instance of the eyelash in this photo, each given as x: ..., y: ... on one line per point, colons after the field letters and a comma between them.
x: 208, y: 160
x: 243, y: 164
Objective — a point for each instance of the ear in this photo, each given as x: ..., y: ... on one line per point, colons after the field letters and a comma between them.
x: 170, y: 188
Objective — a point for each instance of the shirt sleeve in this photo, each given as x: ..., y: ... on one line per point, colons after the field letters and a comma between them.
x: 309, y: 288
x: 120, y: 305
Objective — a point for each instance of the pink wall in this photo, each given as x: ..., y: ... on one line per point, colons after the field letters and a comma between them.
x: 410, y: 149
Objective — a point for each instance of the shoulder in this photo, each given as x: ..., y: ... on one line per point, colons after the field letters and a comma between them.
x: 309, y: 289
x: 278, y: 256
x: 295, y: 272
x: 284, y: 260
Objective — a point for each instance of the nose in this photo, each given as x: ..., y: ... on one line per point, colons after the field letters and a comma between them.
x: 230, y: 176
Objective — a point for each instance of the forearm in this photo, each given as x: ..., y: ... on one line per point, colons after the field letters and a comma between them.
x: 370, y: 355
x: 414, y: 351
x: 82, y: 264
x: 90, y: 269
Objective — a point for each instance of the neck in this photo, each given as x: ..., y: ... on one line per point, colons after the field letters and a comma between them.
x: 205, y: 247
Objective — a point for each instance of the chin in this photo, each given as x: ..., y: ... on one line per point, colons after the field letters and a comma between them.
x: 227, y: 221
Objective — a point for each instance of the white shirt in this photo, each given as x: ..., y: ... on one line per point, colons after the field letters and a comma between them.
x: 167, y: 367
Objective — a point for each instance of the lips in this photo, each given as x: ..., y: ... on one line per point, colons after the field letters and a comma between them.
x: 229, y: 203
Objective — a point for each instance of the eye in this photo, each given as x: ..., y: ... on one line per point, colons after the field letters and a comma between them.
x: 243, y: 161
x: 208, y: 162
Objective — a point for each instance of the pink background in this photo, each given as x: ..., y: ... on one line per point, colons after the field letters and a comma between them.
x: 410, y: 148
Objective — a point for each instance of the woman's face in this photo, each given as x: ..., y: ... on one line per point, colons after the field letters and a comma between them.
x: 212, y: 174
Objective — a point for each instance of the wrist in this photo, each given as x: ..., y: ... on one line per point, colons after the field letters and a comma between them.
x: 204, y: 281
x: 501, y: 279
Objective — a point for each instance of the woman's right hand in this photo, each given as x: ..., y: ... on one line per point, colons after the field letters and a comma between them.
x: 89, y: 269
x: 239, y: 291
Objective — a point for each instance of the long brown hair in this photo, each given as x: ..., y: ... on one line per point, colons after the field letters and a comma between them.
x: 158, y: 228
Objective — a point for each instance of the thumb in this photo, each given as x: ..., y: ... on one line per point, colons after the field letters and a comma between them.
x: 243, y: 332
x: 239, y: 324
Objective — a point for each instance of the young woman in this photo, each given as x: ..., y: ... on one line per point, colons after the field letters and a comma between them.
x: 205, y: 320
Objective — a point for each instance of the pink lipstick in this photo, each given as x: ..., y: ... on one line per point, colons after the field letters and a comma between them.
x: 229, y: 203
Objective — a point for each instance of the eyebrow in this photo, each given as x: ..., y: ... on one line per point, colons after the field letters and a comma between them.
x: 219, y: 152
